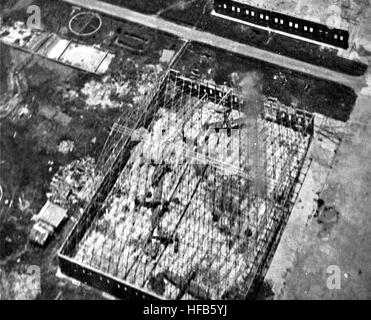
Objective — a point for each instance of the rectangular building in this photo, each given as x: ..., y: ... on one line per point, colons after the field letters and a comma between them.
x: 168, y: 222
x: 324, y: 22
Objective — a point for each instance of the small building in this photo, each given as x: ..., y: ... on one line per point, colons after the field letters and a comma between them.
x: 166, y: 56
x: 48, y: 221
x: 328, y: 22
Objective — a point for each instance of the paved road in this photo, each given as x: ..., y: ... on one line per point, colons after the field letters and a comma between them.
x: 192, y: 34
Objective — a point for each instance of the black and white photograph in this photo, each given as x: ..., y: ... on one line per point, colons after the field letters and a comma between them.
x: 192, y: 152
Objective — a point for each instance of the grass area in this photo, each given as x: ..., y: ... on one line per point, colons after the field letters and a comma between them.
x: 4, y: 62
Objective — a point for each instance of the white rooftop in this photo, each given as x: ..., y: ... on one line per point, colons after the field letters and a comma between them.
x: 335, y: 13
x: 52, y: 214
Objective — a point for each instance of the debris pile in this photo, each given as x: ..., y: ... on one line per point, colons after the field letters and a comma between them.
x: 23, y: 204
x: 71, y: 183
x: 66, y: 146
x: 119, y: 89
x: 12, y: 102
x: 184, y: 228
x: 17, y: 34
x: 19, y: 286
x: 51, y: 46
x: 99, y: 93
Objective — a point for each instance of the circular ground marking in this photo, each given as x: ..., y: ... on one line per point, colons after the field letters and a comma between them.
x: 85, y: 24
